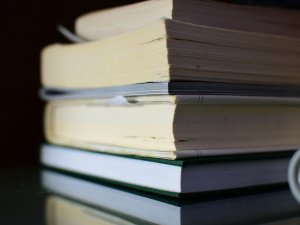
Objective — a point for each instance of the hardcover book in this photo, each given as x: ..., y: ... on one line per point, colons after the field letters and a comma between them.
x: 171, y: 177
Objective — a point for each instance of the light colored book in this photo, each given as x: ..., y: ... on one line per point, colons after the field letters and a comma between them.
x: 114, y: 21
x: 172, y: 130
x: 170, y: 50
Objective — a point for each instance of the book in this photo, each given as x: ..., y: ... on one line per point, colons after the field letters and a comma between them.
x: 193, y: 92
x: 114, y: 21
x: 82, y: 200
x: 170, y: 177
x: 172, y: 130
x: 170, y: 50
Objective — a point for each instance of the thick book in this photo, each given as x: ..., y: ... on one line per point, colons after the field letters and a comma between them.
x: 172, y: 130
x: 90, y: 202
x: 170, y: 50
x: 171, y: 177
x: 114, y: 21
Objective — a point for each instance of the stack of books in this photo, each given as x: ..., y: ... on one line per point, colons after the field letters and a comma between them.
x: 176, y: 97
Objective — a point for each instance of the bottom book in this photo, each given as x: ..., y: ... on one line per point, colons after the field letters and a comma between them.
x: 79, y: 201
x: 171, y: 177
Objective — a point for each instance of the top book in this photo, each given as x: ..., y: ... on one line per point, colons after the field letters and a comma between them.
x: 225, y: 44
x: 114, y: 21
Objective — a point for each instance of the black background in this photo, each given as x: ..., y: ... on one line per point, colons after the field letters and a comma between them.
x: 27, y: 26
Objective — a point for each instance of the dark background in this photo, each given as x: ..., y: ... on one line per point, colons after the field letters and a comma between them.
x: 26, y: 27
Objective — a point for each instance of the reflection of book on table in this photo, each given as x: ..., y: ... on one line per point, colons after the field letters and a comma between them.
x: 171, y: 177
x: 104, y: 203
x: 60, y: 211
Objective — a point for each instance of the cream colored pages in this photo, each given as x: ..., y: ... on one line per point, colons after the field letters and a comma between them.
x: 169, y: 130
x: 115, y: 21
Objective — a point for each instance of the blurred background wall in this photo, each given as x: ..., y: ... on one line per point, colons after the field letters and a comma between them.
x: 26, y: 27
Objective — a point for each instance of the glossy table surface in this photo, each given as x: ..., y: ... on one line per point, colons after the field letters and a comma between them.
x: 21, y: 197
x: 23, y: 200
